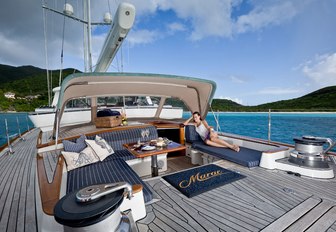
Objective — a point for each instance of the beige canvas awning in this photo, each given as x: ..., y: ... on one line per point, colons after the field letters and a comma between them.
x: 195, y: 93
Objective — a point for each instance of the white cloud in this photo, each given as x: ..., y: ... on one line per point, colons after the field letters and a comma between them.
x: 215, y: 18
x: 176, y: 27
x: 261, y: 17
x: 207, y: 18
x: 321, y: 69
x: 237, y: 80
x: 237, y: 100
x: 278, y: 91
x: 142, y: 36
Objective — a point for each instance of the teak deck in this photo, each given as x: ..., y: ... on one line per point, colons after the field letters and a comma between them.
x: 267, y: 200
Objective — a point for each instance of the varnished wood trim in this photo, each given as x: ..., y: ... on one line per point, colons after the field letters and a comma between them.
x: 182, y: 140
x: 137, y: 188
x: 170, y: 148
x: 49, y: 192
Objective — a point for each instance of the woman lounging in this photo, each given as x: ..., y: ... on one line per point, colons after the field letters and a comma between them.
x: 209, y: 136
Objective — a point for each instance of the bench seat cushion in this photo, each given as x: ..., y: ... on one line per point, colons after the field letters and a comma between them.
x: 117, y: 138
x: 121, y: 154
x: 111, y: 171
x: 246, y: 157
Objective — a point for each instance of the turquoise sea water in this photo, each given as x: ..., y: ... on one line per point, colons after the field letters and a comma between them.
x: 285, y: 126
x: 24, y: 125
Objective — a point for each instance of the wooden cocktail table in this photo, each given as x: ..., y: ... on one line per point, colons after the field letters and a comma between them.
x: 137, y: 152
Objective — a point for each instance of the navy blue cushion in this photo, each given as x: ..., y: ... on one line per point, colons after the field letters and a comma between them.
x: 115, y: 170
x: 107, y: 112
x: 191, y: 135
x: 77, y: 146
x: 118, y: 138
x: 121, y: 154
x: 246, y: 157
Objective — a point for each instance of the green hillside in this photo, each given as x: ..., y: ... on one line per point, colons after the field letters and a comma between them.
x: 10, y: 73
x: 28, y: 80
x: 320, y: 100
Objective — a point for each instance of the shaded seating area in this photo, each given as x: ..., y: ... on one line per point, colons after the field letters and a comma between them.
x: 246, y: 157
x: 114, y: 167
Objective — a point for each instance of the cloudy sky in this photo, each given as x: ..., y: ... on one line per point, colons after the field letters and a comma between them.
x: 257, y: 51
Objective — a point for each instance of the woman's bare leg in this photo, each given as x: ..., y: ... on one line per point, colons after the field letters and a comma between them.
x: 213, y: 144
x: 222, y: 142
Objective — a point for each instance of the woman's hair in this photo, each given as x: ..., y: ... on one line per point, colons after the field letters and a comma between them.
x: 198, y: 113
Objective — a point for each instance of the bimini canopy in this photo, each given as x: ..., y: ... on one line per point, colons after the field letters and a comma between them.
x: 196, y: 93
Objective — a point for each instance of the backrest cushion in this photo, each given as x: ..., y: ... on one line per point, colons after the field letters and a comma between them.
x: 118, y: 138
x: 191, y: 135
x: 100, y: 147
x: 75, y: 160
x: 77, y: 146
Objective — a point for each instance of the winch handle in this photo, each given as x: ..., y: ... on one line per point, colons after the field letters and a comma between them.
x: 329, y: 141
x: 331, y: 145
x: 95, y: 192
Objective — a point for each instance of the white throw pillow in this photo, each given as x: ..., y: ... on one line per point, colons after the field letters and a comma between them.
x: 100, y: 147
x: 75, y: 160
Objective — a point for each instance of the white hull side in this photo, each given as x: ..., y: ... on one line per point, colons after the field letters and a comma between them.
x: 45, y: 121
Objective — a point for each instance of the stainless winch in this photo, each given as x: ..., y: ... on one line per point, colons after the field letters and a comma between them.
x: 309, y: 151
x: 94, y: 208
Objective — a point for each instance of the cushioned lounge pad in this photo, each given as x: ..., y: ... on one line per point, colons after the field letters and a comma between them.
x: 246, y: 157
x: 117, y: 138
x: 121, y: 154
x: 198, y: 180
x: 115, y: 170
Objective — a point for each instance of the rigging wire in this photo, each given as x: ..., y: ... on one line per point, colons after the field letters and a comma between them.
x: 46, y: 51
x: 216, y: 119
x: 61, y: 69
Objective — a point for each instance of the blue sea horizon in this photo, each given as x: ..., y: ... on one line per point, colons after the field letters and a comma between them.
x: 284, y: 126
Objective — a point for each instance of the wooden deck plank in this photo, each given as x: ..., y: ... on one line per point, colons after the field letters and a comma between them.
x: 168, y: 223
x: 325, y: 188
x: 266, y: 193
x: 269, y: 210
x: 17, y: 211
x: 232, y: 218
x: 15, y: 179
x: 184, y: 208
x: 7, y: 196
x: 31, y: 220
x: 274, y: 193
x: 307, y: 220
x: 332, y: 228
x: 325, y: 222
x: 249, y: 216
x: 181, y: 213
x: 238, y: 200
x: 289, y: 218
